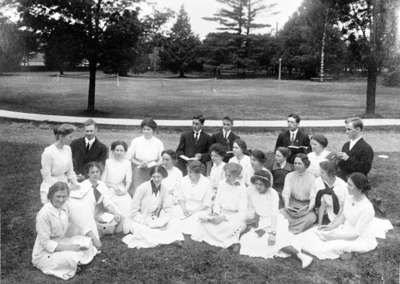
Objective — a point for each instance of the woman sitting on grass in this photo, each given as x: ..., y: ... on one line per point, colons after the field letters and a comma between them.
x: 331, y: 192
x: 280, y: 168
x: 149, y: 224
x: 91, y: 205
x: 54, y: 253
x: 217, y: 153
x: 117, y: 176
x: 173, y: 181
x: 319, y: 153
x: 222, y: 226
x: 354, y: 230
x: 299, y: 197
x: 194, y: 197
x: 57, y: 161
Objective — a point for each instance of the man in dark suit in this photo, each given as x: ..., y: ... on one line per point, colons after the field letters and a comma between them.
x: 293, y: 138
x: 356, y: 155
x: 87, y: 149
x: 225, y: 137
x: 193, y: 144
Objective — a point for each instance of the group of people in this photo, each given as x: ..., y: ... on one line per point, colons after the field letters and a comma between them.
x: 213, y: 189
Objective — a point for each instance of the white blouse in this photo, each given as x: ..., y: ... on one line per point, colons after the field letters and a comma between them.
x: 265, y: 205
x: 117, y: 173
x: 341, y: 191
x: 196, y: 196
x: 217, y: 175
x: 247, y: 171
x: 173, y: 181
x: 145, y: 150
x: 358, y: 216
x: 315, y: 160
x: 57, y: 165
x: 231, y: 199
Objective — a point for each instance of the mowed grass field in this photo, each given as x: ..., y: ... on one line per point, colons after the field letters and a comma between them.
x: 21, y: 146
x: 260, y: 99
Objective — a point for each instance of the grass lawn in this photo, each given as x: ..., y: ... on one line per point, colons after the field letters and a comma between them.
x: 182, y: 98
x: 192, y: 263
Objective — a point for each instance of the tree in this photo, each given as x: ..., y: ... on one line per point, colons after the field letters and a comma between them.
x: 180, y: 47
x: 11, y: 53
x: 239, y: 15
x: 92, y: 17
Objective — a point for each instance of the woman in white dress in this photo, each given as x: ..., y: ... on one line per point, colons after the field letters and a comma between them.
x: 194, y: 197
x: 271, y: 233
x: 222, y: 226
x: 57, y: 161
x: 319, y: 153
x: 299, y: 196
x: 217, y: 174
x: 144, y: 153
x: 148, y: 223
x: 54, y: 253
x: 331, y: 192
x: 355, y: 230
x: 173, y: 181
x: 240, y: 157
x: 117, y: 176
x: 90, y: 202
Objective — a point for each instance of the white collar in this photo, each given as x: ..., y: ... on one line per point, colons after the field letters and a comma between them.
x: 283, y: 165
x: 90, y: 141
x: 294, y: 132
x: 354, y: 142
x: 226, y: 133
x: 198, y: 132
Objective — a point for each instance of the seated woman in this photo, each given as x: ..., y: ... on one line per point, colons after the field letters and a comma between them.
x: 222, y: 226
x: 54, y: 253
x: 271, y: 234
x: 217, y: 153
x: 298, y: 196
x: 354, y: 230
x: 173, y: 181
x: 319, y: 153
x: 194, y: 196
x: 240, y: 157
x: 149, y: 224
x: 331, y: 192
x: 57, y: 161
x: 280, y: 168
x: 117, y: 176
x: 91, y: 205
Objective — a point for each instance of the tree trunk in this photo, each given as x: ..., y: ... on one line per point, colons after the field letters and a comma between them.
x: 322, y: 64
x: 92, y: 85
x: 181, y: 73
x: 372, y: 63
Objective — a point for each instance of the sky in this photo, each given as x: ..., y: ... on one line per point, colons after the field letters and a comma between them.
x: 206, y: 8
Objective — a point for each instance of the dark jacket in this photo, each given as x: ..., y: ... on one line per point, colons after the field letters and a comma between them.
x: 97, y: 153
x: 360, y: 159
x: 228, y: 143
x: 301, y: 139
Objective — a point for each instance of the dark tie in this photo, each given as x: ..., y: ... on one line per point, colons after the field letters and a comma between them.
x: 96, y: 192
x: 196, y: 136
x: 329, y: 191
x: 87, y: 147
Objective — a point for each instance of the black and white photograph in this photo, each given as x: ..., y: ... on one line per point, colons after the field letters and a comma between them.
x: 200, y: 141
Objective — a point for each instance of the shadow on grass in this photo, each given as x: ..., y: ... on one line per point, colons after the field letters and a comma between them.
x: 191, y: 263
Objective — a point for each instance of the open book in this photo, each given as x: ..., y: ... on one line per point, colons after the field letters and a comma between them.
x: 186, y: 158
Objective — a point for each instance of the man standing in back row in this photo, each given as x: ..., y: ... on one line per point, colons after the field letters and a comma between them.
x: 87, y: 149
x: 225, y: 137
x: 293, y: 138
x: 356, y: 155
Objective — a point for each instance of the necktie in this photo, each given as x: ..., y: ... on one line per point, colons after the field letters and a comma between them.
x: 196, y: 136
x: 87, y: 147
x: 96, y: 192
x: 329, y: 191
x: 291, y: 136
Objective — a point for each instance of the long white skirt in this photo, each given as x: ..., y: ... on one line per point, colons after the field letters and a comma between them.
x: 311, y: 243
x: 63, y: 264
x: 144, y: 236
x: 82, y: 219
x: 123, y: 203
x: 222, y: 235
x: 253, y: 245
x: 188, y: 225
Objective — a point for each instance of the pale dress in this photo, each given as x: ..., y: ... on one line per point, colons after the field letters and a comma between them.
x: 56, y: 166
x: 147, y: 229
x: 359, y: 219
x: 315, y: 159
x: 84, y: 210
x: 300, y: 190
x: 118, y: 174
x: 247, y: 171
x: 197, y: 198
x: 231, y: 202
x: 146, y: 151
x: 341, y: 191
x: 266, y: 206
x: 51, y: 228
x: 217, y: 175
x: 172, y: 183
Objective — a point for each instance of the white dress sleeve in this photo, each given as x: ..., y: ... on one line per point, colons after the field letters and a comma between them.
x: 43, y: 229
x: 364, y: 220
x: 47, y: 164
x: 128, y: 176
x: 70, y: 172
